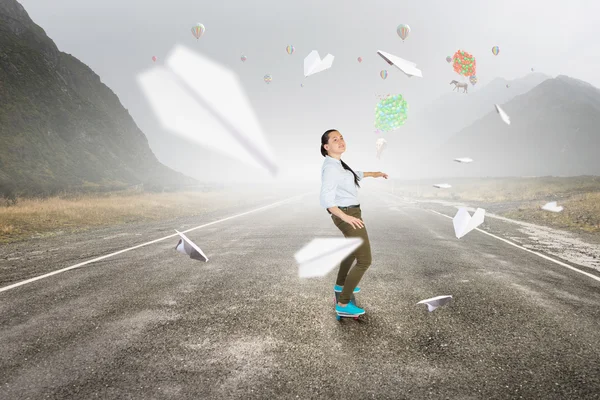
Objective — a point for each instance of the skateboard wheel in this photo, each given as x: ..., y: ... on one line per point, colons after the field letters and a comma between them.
x: 356, y: 318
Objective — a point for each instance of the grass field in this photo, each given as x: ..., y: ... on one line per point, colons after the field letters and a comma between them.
x: 43, y: 217
x: 522, y: 198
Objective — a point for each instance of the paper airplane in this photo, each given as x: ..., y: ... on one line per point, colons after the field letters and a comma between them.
x: 380, y: 145
x: 408, y: 68
x: 503, y: 115
x: 314, y: 64
x: 552, y: 207
x: 436, y: 302
x: 463, y: 160
x: 464, y: 223
x: 204, y: 102
x: 320, y: 256
x: 186, y: 246
x: 442, y: 186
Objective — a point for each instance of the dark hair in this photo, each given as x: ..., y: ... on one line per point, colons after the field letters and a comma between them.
x: 324, y: 141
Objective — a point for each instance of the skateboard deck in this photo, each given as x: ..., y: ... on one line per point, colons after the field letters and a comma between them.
x: 341, y: 315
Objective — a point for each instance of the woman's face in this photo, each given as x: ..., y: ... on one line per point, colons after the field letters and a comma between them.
x: 336, y: 143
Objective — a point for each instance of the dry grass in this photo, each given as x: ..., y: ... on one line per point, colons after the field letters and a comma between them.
x: 580, y: 197
x: 580, y: 212
x: 41, y: 217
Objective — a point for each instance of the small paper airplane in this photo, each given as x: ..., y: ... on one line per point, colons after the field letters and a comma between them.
x: 196, y: 98
x: 503, y: 115
x: 442, y: 186
x: 314, y: 64
x: 552, y: 207
x: 464, y: 223
x: 380, y: 145
x: 186, y: 246
x: 436, y: 302
x: 320, y: 256
x: 463, y: 160
x: 408, y: 68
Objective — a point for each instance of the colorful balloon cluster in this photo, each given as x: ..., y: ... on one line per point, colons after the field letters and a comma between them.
x: 391, y: 113
x: 464, y: 63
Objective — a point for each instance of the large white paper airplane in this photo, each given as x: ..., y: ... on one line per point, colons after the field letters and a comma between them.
x: 186, y: 246
x: 552, y: 207
x: 464, y: 223
x: 436, y: 302
x: 321, y: 256
x: 503, y: 115
x: 408, y: 68
x: 204, y: 102
x: 442, y: 186
x: 464, y: 160
x: 314, y: 64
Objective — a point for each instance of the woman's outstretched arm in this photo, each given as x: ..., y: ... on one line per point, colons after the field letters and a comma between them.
x: 375, y: 174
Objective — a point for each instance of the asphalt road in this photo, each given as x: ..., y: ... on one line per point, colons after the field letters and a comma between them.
x: 151, y: 323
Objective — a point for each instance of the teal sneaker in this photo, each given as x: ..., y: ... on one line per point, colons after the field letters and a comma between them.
x: 350, y: 309
x: 338, y: 288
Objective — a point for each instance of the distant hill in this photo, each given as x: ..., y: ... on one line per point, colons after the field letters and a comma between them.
x: 555, y: 130
x: 452, y: 112
x: 61, y: 128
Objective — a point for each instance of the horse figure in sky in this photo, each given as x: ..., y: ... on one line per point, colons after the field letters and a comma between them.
x: 458, y: 85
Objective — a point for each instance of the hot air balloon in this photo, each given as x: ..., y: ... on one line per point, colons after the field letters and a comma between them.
x: 243, y: 58
x: 448, y: 59
x: 198, y: 30
x: 403, y: 31
x: 473, y: 79
x: 290, y: 49
x: 268, y: 78
x: 154, y: 58
x: 507, y: 85
x: 383, y: 74
x: 359, y: 59
x: 495, y: 50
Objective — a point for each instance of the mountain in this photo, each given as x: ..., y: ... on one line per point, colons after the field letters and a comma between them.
x: 554, y: 130
x: 444, y: 117
x: 61, y: 128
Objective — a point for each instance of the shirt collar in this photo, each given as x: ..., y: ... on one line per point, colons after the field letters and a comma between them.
x: 330, y: 159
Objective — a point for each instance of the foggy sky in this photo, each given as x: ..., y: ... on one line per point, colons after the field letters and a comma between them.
x: 118, y: 38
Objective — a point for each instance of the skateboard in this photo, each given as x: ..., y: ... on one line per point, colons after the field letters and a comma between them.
x: 341, y: 315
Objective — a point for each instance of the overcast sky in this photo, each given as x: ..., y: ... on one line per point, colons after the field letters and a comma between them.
x: 117, y: 39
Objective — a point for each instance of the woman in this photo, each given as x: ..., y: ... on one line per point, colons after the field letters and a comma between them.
x: 339, y: 195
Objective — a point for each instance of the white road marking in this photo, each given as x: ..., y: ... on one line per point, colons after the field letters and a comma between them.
x: 522, y: 248
x: 14, y: 285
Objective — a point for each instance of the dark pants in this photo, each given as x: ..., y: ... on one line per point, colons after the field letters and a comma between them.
x: 347, y: 278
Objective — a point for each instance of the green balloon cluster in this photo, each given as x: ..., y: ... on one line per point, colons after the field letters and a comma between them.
x: 391, y: 113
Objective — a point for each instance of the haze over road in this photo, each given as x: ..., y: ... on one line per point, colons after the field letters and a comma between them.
x: 151, y: 323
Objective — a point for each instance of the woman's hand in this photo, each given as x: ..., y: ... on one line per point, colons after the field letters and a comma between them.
x: 380, y: 174
x: 355, y: 222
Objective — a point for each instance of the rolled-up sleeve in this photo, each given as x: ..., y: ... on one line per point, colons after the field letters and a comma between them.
x: 360, y: 174
x: 328, y: 186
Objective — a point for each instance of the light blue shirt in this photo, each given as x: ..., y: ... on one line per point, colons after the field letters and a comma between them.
x: 337, y: 184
